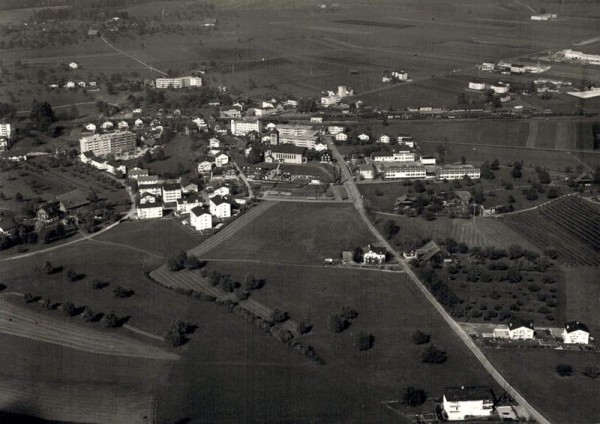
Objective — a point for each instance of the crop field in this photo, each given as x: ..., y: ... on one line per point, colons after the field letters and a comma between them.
x: 301, y: 233
x: 569, y: 225
x: 582, y: 287
x: 540, y: 377
x: 388, y: 306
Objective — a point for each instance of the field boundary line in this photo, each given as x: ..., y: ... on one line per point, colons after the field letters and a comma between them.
x: 133, y: 57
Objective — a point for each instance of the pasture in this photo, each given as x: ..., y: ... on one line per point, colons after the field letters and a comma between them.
x: 301, y: 233
x: 582, y: 288
x: 532, y: 372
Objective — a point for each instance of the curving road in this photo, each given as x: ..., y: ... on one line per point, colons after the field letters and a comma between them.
x: 356, y: 197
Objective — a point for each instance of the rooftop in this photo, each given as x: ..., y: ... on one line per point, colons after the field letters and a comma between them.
x: 73, y: 199
x: 466, y: 393
x: 576, y: 325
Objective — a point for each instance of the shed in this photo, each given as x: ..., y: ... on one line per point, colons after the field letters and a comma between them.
x: 72, y: 200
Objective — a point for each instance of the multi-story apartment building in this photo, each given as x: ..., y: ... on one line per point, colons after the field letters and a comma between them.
x: 453, y: 172
x: 244, y: 126
x: 116, y: 142
x: 180, y: 82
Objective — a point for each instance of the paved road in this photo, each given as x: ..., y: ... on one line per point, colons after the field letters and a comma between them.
x: 356, y: 197
x: 244, y: 179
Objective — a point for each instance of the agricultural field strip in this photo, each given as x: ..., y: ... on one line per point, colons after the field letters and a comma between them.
x: 189, y: 281
x: 578, y: 218
x: 232, y: 228
x: 532, y: 136
x: 504, y: 146
x: 23, y: 323
x: 133, y: 57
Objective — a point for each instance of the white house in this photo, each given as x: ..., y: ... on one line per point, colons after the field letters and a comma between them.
x: 341, y: 137
x: 113, y: 167
x: 82, y: 84
x: 220, y: 207
x: 73, y: 65
x: 384, y: 139
x: 150, y: 211
x: 427, y: 160
x: 576, y: 332
x: 146, y: 198
x: 69, y: 84
x: 374, y: 255
x: 521, y: 330
x: 335, y: 129
x: 364, y: 137
x: 90, y: 127
x: 221, y: 159
x: 107, y: 125
x: 200, y: 219
x: 500, y: 87
x: 476, y: 85
x: 214, y: 143
x: 366, y: 171
x: 136, y: 172
x: 123, y: 125
x: 187, y: 203
x: 221, y: 191
x: 139, y: 123
x: 460, y: 403
x: 205, y: 167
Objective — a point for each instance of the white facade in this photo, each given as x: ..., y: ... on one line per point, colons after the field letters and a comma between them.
x: 220, y: 207
x: 395, y: 172
x: 458, y: 409
x: 400, y: 76
x: 427, y: 160
x: 335, y: 129
x: 576, y: 333
x: 243, y: 127
x: 500, y: 87
x: 341, y: 137
x: 73, y: 65
x: 520, y: 333
x: 385, y: 139
x: 205, y: 167
x: 5, y: 130
x: 544, y: 17
x: 180, y: 82
x: 367, y: 171
x: 475, y: 85
x: 150, y: 211
x: 90, y: 127
x: 221, y: 160
x: 214, y: 143
x: 221, y: 191
x: 330, y: 100
x: 170, y: 193
x: 185, y: 205
x: 594, y: 59
x: 200, y: 219
x: 363, y: 137
x: 398, y: 156
x: 453, y: 172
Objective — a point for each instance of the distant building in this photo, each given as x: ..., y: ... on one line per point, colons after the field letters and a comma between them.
x: 374, y: 255
x: 6, y: 131
x: 460, y: 403
x: 221, y: 160
x: 135, y: 173
x: 200, y: 219
x: 117, y: 142
x: 285, y: 154
x: 394, y: 156
x: 205, y: 167
x: 476, y: 85
x: 72, y: 200
x: 335, y: 129
x: 341, y: 137
x: 149, y: 210
x: 49, y: 213
x: 366, y: 171
x: 186, y: 203
x: 593, y: 59
x: 521, y: 330
x: 544, y: 17
x: 453, y: 172
x: 73, y: 65
x: 411, y: 170
x: 500, y: 87
x: 384, y: 139
x: 576, y: 332
x: 180, y: 82
x: 244, y: 126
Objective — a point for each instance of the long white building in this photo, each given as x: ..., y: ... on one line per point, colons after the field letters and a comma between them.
x: 463, y: 402
x: 180, y: 82
x: 453, y: 172
x: 116, y: 142
x: 402, y: 171
x: 244, y: 126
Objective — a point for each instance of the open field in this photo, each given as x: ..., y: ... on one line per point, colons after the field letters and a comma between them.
x: 569, y: 225
x: 300, y: 233
x: 532, y: 372
x: 582, y: 287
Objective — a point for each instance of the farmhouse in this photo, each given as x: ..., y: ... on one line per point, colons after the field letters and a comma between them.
x: 341, y: 137
x: 200, y: 219
x: 520, y: 330
x: 460, y: 403
x: 428, y: 251
x: 220, y: 206
x: 117, y: 142
x: 49, y: 213
x: 149, y: 210
x: 285, y: 154
x: 181, y: 82
x: 72, y: 200
x: 576, y: 332
x: 244, y: 126
x: 136, y: 172
x: 453, y: 172
x: 374, y: 255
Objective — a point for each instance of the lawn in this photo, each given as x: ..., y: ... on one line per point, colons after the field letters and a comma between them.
x: 301, y: 233
x: 532, y: 372
x: 582, y: 288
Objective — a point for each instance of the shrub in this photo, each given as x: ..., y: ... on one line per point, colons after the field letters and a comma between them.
x: 109, y: 320
x: 88, y: 315
x: 72, y: 275
x: 122, y: 292
x: 28, y: 297
x: 364, y: 340
x: 192, y: 262
x: 177, y: 262
x: 534, y: 288
x: 68, y: 308
x: 419, y: 337
x: 414, y: 396
x: 348, y: 313
x: 337, y: 324
x: 433, y: 355
x: 564, y: 370
x: 96, y: 284
x: 48, y: 268
x: 278, y: 315
x: 593, y: 371
x: 303, y: 328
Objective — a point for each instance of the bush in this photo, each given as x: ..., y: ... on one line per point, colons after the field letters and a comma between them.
x: 564, y: 370
x: 348, y: 313
x: 122, y: 292
x: 419, y: 337
x: 278, y: 316
x: 28, y: 297
x: 593, y: 371
x: 364, y: 340
x: 88, y: 315
x: 68, y: 308
x: 48, y: 268
x: 337, y: 324
x: 414, y: 396
x: 433, y: 355
x: 192, y: 262
x: 251, y: 283
x: 96, y: 284
x: 109, y: 320
x: 534, y: 288
x: 303, y: 328
x: 72, y: 275
x: 177, y: 262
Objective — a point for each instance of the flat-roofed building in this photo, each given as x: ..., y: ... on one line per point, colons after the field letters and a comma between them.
x: 180, y: 82
x: 117, y: 142
x: 453, y: 172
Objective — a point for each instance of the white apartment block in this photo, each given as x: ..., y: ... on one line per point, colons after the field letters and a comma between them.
x: 200, y: 219
x: 395, y: 172
x: 453, y: 172
x: 220, y: 207
x: 244, y: 126
x: 150, y: 211
x: 5, y: 130
x: 180, y: 82
x: 116, y: 142
x: 171, y: 192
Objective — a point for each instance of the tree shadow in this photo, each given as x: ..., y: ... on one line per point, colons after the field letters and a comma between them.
x: 123, y: 320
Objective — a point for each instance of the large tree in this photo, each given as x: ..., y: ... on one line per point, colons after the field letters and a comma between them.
x: 42, y: 115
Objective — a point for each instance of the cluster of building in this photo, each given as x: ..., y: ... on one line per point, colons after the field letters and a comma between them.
x: 6, y: 136
x: 110, y: 166
x: 178, y: 82
x: 332, y: 98
x: 371, y: 255
x: 574, y: 332
x: 394, y: 76
x: 512, y: 68
x: 544, y: 17
x: 592, y: 59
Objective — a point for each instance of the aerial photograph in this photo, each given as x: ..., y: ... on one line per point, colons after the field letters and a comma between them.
x: 299, y: 211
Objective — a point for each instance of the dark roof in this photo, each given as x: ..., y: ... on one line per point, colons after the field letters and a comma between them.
x: 52, y: 209
x: 576, y: 325
x: 150, y: 205
x: 287, y: 148
x: 171, y: 187
x: 217, y: 200
x: 428, y: 251
x: 520, y: 323
x: 189, y: 199
x: 89, y: 154
x: 465, y: 393
x: 114, y: 163
x: 377, y: 249
x: 199, y: 210
x: 73, y: 199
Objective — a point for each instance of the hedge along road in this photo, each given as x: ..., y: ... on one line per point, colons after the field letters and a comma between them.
x: 356, y: 197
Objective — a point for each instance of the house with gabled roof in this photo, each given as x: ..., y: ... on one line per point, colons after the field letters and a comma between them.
x: 576, y: 332
x: 220, y: 206
x: 521, y: 330
x: 72, y: 200
x: 186, y: 203
x: 49, y: 213
x: 428, y: 251
x: 200, y: 218
x: 460, y: 403
x: 374, y: 255
x: 205, y: 167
